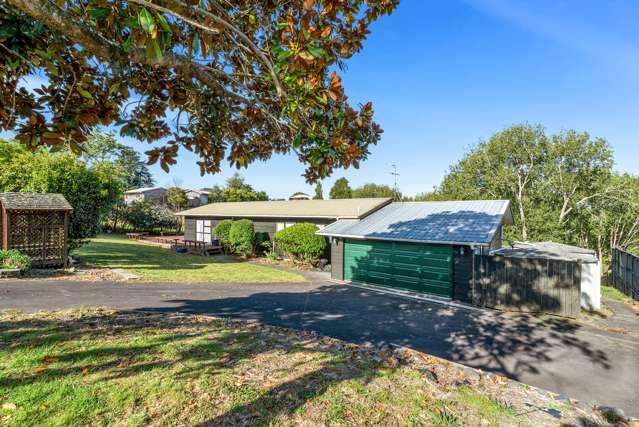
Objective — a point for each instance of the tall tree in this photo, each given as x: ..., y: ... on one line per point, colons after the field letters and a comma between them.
x: 236, y: 190
x: 319, y: 193
x: 376, y: 190
x: 102, y: 149
x: 507, y: 166
x: 240, y: 80
x: 341, y: 190
x: 176, y: 198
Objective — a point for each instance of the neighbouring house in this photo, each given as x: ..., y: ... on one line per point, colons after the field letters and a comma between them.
x: 152, y: 194
x: 272, y: 216
x: 197, y: 197
x: 300, y: 196
x: 37, y: 225
x: 589, y: 265
x: 419, y: 246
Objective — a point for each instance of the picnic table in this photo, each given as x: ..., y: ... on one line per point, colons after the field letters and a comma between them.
x: 203, y: 248
x: 136, y: 236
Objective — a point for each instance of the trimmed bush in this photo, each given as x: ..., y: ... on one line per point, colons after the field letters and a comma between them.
x: 301, y: 243
x: 14, y: 259
x: 222, y: 231
x: 242, y: 237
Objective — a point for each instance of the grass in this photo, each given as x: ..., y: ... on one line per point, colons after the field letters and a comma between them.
x: 95, y: 367
x: 153, y: 263
x: 614, y: 294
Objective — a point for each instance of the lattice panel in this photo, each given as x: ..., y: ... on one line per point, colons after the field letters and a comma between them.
x: 40, y: 235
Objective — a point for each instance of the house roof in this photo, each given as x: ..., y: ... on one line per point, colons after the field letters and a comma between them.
x: 454, y: 222
x: 548, y: 250
x: 326, y: 209
x: 143, y: 190
x: 34, y: 201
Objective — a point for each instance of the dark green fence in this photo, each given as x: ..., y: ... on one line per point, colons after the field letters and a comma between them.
x: 625, y: 272
x: 528, y: 285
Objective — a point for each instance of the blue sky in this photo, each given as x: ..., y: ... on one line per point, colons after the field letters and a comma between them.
x: 444, y: 74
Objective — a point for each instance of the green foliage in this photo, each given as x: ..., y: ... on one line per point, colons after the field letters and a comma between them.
x: 242, y: 237
x: 145, y: 216
x: 319, y: 193
x: 341, y: 190
x: 222, y: 231
x: 301, y: 242
x: 176, y: 198
x: 375, y: 190
x: 96, y: 57
x: 103, y: 151
x: 14, y: 259
x: 236, y: 190
x: 562, y: 187
x: 92, y: 192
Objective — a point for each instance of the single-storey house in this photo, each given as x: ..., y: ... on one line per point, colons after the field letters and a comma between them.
x: 272, y: 216
x: 151, y: 194
x: 420, y: 246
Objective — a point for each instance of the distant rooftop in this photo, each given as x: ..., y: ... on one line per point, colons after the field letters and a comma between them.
x: 143, y: 190
x: 463, y: 221
x: 34, y: 201
x: 326, y: 209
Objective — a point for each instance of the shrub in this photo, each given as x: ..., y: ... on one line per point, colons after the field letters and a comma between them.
x: 222, y: 230
x: 242, y: 237
x: 14, y: 259
x: 301, y: 243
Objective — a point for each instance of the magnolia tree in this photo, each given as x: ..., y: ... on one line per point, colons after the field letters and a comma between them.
x: 227, y: 80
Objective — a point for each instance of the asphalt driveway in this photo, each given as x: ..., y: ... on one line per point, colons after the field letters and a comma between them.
x: 594, y: 364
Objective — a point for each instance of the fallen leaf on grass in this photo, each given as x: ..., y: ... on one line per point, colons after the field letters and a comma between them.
x: 125, y: 362
x: 49, y: 359
x: 39, y: 369
x: 9, y: 406
x: 85, y: 371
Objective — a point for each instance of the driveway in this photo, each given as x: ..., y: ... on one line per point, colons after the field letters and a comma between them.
x: 599, y: 365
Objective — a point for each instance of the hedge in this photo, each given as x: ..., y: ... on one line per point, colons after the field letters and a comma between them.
x: 242, y: 237
x: 301, y: 242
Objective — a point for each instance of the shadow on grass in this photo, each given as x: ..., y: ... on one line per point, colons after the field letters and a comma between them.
x: 126, y: 345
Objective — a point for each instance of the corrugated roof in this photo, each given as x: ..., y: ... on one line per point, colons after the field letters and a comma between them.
x: 467, y: 221
x: 329, y: 209
x: 34, y: 201
x: 548, y: 250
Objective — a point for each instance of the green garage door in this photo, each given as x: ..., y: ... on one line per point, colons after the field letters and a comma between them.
x: 416, y: 267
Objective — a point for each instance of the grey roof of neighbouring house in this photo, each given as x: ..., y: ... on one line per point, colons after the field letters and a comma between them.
x: 34, y: 201
x: 143, y: 190
x: 326, y: 209
x: 548, y: 250
x: 461, y: 222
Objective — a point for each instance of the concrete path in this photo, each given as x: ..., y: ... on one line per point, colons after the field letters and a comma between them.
x: 583, y: 362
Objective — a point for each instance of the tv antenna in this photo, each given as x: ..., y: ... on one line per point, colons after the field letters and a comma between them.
x: 395, y: 175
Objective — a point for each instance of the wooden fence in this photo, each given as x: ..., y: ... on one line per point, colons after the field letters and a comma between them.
x: 529, y: 285
x: 625, y: 272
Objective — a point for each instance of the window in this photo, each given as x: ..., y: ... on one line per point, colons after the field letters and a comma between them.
x: 203, y: 230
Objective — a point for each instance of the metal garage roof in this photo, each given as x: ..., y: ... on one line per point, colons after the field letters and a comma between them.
x: 461, y: 222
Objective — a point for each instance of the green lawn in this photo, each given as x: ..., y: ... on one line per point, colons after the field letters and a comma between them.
x: 153, y: 263
x: 95, y: 367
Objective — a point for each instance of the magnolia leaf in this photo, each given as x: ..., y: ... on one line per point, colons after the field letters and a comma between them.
x: 85, y: 94
x: 196, y: 44
x: 156, y: 49
x: 163, y: 22
x: 146, y: 21
x: 317, y: 52
x: 127, y: 44
x: 99, y: 13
